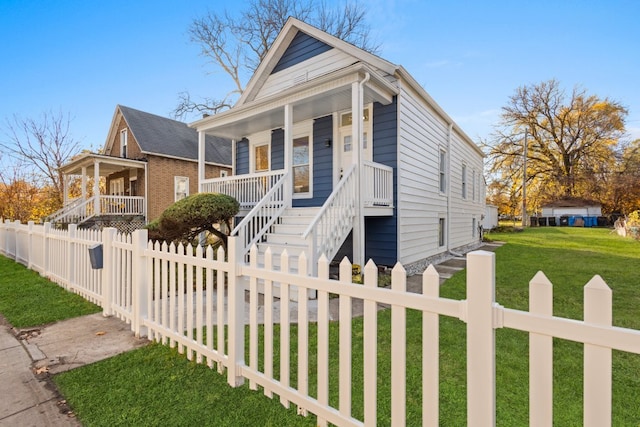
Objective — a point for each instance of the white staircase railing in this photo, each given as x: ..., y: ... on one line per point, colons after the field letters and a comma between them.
x: 378, y: 184
x: 248, y: 190
x: 263, y: 215
x: 74, y: 213
x: 332, y: 224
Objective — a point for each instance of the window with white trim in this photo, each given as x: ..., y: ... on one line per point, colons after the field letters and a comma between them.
x: 443, y: 171
x: 181, y: 187
x: 473, y: 185
x: 261, y: 157
x: 123, y: 143
x: 464, y: 181
x: 441, y: 232
x: 301, y: 165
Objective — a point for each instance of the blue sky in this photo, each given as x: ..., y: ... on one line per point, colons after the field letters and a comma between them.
x: 84, y: 57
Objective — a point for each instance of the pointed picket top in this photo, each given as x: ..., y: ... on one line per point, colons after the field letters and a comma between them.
x: 431, y: 281
x: 221, y: 253
x: 181, y: 248
x: 253, y: 256
x: 165, y: 247
x: 398, y: 278
x: 345, y: 270
x: 268, y: 258
x: 210, y: 252
x: 371, y: 274
x: 541, y: 295
x: 598, y: 283
x: 284, y: 261
x: 199, y: 251
x: 303, y: 266
x: 598, y: 300
x: 430, y: 271
x: 323, y: 267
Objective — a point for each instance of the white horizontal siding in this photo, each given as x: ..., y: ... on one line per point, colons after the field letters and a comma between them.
x: 319, y: 65
x: 422, y: 134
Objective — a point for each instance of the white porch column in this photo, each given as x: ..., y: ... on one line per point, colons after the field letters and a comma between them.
x: 65, y: 189
x: 356, y: 144
x: 201, y: 158
x: 96, y: 187
x: 288, y: 152
x: 84, y: 183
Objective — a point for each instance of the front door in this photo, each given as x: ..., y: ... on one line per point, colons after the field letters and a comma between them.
x: 345, y: 137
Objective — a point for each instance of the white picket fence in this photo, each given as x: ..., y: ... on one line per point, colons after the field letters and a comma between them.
x: 201, y: 301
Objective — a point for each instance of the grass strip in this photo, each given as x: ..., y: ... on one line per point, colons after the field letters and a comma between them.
x: 28, y: 299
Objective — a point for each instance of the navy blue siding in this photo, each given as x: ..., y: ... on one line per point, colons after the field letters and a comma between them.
x: 322, y: 164
x: 381, y: 240
x: 277, y: 149
x: 242, y: 157
x: 301, y: 48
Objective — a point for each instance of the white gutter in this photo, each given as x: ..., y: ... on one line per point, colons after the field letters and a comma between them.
x: 361, y: 190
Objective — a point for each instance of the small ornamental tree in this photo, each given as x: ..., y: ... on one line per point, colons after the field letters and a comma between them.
x: 187, y: 218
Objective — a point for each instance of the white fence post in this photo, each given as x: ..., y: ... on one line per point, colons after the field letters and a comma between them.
x: 71, y: 257
x: 45, y: 249
x: 30, y: 245
x: 139, y: 293
x: 235, y: 295
x: 481, y: 348
x: 108, y: 235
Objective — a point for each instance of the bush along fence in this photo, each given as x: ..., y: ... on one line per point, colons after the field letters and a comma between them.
x: 201, y: 300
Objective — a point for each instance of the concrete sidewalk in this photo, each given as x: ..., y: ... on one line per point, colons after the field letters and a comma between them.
x: 28, y: 357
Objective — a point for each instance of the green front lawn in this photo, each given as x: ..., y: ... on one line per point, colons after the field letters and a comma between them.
x: 156, y: 385
x: 28, y: 299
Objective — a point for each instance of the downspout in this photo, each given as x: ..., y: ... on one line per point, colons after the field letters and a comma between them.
x: 448, y: 177
x: 360, y: 222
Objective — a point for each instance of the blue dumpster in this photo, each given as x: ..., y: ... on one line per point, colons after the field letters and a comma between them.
x: 572, y: 219
x: 590, y: 221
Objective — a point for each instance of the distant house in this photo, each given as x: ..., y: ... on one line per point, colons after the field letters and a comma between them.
x: 566, y: 211
x: 148, y: 162
x: 334, y: 147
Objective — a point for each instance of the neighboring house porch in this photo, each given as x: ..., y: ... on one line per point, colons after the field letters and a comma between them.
x: 111, y: 193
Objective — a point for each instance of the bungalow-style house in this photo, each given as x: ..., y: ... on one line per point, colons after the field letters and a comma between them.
x: 335, y: 147
x: 148, y: 162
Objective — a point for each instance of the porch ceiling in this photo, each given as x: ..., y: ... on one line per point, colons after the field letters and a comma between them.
x: 107, y: 165
x: 308, y: 100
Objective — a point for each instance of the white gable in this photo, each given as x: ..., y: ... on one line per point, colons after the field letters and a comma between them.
x: 310, y: 69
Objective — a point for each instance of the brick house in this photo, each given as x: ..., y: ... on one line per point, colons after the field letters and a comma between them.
x: 147, y: 163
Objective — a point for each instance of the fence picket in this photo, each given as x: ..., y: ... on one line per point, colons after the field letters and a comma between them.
x: 597, y: 360
x: 268, y: 321
x: 303, y: 334
x: 285, y: 338
x: 370, y: 364
x: 430, y: 352
x: 323, y: 341
x: 399, y: 346
x: 345, y: 342
x: 540, y: 355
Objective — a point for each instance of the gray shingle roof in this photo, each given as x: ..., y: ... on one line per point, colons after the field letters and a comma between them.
x: 163, y: 136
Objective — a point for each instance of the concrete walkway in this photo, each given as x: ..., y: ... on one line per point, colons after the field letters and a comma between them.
x: 28, y: 357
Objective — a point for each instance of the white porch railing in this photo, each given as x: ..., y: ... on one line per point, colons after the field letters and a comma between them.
x: 248, y: 189
x: 263, y: 215
x: 332, y: 224
x: 378, y: 184
x: 80, y: 210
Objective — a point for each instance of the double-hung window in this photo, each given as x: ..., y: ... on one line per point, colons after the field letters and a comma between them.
x: 123, y: 143
x: 443, y: 171
x: 181, y: 187
x: 301, y: 165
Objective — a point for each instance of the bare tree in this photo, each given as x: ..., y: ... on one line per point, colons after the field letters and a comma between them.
x: 237, y: 44
x: 43, y: 145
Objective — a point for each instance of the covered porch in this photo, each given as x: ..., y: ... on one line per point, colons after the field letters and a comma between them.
x: 358, y: 186
x: 99, y: 187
